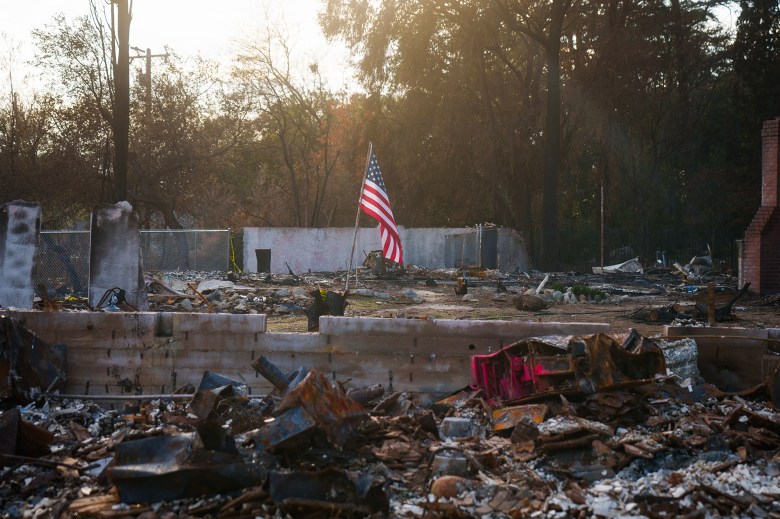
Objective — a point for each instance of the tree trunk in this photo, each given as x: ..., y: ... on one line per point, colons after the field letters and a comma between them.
x: 552, y: 152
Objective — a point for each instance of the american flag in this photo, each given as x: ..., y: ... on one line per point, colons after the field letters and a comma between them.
x: 375, y: 203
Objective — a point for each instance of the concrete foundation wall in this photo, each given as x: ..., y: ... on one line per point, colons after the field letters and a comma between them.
x: 327, y: 250
x: 153, y: 353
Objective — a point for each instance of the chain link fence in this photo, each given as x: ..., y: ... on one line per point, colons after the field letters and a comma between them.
x: 62, y: 265
x: 580, y: 250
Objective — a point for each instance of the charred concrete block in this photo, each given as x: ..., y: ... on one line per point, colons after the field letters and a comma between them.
x: 20, y: 226
x: 450, y: 464
x: 115, y: 256
x: 454, y: 427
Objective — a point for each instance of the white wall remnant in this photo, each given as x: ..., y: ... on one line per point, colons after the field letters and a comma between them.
x: 115, y: 259
x: 327, y: 249
x: 20, y: 226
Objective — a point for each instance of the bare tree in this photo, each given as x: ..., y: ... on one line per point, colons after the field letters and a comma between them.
x: 294, y: 123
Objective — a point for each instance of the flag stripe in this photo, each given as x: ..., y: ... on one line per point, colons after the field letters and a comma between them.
x: 378, y: 196
x: 375, y: 203
x: 379, y: 215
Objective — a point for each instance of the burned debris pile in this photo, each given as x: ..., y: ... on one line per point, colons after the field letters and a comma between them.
x: 591, y: 426
x: 295, y: 301
x: 28, y: 365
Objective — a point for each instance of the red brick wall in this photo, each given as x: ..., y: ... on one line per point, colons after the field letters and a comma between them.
x: 761, y: 246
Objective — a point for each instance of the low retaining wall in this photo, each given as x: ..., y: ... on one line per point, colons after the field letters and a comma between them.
x: 154, y: 353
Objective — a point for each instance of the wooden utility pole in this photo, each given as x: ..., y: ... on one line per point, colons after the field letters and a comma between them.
x: 122, y: 102
x: 148, y: 75
x: 602, y: 222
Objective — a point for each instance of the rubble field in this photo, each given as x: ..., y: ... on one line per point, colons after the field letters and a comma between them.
x: 608, y: 425
x: 642, y: 301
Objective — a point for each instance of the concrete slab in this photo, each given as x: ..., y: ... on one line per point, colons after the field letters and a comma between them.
x: 20, y: 226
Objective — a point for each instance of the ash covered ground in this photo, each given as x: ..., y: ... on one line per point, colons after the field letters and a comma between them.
x: 673, y: 445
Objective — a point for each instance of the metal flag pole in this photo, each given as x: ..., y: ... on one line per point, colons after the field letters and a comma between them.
x: 357, y: 216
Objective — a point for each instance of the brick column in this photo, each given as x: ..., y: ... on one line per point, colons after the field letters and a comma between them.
x: 769, y: 159
x: 761, y: 247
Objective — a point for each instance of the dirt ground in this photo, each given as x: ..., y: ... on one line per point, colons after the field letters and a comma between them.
x: 624, y: 299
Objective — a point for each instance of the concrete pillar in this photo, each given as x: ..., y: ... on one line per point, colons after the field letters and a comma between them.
x: 115, y: 258
x: 20, y: 226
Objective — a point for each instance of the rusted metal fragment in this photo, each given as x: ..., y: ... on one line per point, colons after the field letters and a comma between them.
x: 271, y: 373
x: 286, y: 431
x: 507, y: 417
x: 28, y: 365
x: 458, y: 398
x: 184, y: 465
x: 525, y: 432
x: 366, y: 395
x: 214, y: 395
x: 207, y: 403
x: 337, y: 415
x: 330, y: 490
x: 564, y: 365
x: 18, y: 437
x: 280, y: 380
x: 313, y: 404
x: 394, y: 404
x: 213, y: 380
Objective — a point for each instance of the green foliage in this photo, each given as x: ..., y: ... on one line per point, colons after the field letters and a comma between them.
x: 658, y: 105
x: 578, y: 290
